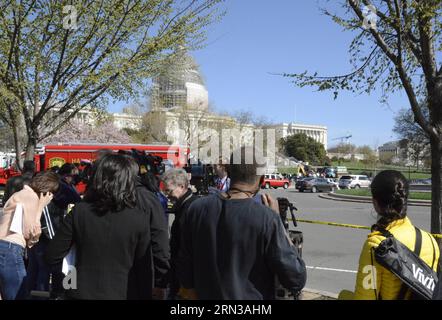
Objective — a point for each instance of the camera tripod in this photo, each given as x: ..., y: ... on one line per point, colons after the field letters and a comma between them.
x: 297, y: 239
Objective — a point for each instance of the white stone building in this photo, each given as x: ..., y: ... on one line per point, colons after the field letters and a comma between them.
x: 120, y: 120
x: 319, y: 133
x: 390, y: 150
x: 398, y: 153
x: 124, y: 120
x: 198, y: 129
x: 346, y: 156
x: 180, y: 85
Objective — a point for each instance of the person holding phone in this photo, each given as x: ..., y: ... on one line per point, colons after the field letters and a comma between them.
x: 31, y: 199
x: 231, y: 247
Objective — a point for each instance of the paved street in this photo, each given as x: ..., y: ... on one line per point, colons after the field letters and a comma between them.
x: 332, y: 253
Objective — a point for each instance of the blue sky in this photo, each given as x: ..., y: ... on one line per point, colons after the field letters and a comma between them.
x: 257, y: 38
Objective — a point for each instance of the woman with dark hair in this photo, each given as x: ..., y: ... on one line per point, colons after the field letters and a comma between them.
x: 16, y: 183
x: 111, y: 236
x: 31, y: 199
x: 390, y: 191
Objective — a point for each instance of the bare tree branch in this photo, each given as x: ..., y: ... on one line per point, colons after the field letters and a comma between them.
x: 379, y: 39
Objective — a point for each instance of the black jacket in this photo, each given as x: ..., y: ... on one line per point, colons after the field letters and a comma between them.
x: 66, y: 195
x: 57, y: 208
x: 158, y: 254
x: 107, y: 247
x: 236, y: 253
x: 179, y: 209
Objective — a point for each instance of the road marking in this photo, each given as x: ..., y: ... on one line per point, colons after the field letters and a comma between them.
x: 331, y: 269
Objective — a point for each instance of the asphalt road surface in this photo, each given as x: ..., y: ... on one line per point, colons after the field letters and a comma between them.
x: 332, y: 253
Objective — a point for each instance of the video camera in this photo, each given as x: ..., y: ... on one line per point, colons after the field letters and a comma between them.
x: 147, y: 162
x: 297, y: 239
x: 202, y: 176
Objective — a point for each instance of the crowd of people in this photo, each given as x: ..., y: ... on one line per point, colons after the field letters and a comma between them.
x: 230, y: 244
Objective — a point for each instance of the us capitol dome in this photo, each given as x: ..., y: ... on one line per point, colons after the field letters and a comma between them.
x: 179, y: 85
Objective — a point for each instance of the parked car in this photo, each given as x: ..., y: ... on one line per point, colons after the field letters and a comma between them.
x: 354, y: 182
x: 317, y: 184
x: 275, y: 181
x: 299, y: 181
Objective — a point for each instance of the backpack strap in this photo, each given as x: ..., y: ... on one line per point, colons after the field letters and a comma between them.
x: 418, y: 243
x: 434, y: 249
x: 417, y: 251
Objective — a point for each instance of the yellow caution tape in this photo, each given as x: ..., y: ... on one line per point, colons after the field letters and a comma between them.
x: 345, y: 225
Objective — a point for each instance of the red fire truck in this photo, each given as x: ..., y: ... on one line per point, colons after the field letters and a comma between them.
x: 59, y: 154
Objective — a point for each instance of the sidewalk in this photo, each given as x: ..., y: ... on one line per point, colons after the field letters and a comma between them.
x: 311, y: 294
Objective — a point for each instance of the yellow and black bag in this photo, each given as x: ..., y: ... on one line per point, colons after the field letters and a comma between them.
x: 415, y: 274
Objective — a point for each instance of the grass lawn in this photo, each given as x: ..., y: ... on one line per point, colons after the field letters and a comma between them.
x: 366, y: 192
x: 408, y: 175
x: 356, y: 167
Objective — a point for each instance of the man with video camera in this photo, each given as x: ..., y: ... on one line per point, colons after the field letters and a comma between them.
x: 233, y: 247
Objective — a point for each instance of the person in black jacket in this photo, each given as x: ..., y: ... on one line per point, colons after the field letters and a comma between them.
x: 152, y: 183
x: 157, y: 256
x: 67, y: 194
x: 111, y: 234
x: 233, y: 247
x: 176, y: 186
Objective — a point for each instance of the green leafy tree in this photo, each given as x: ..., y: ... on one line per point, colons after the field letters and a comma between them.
x: 343, y: 148
x: 6, y: 138
x: 414, y: 140
x: 151, y: 130
x: 369, y: 154
x: 64, y: 55
x: 304, y: 148
x: 396, y: 48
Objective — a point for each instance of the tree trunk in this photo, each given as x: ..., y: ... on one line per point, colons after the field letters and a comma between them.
x: 435, y: 105
x: 30, y: 148
x: 18, y: 148
x: 436, y: 184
